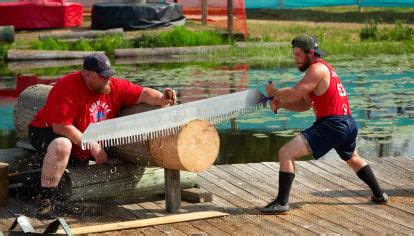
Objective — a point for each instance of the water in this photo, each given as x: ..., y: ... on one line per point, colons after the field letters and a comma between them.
x: 380, y: 90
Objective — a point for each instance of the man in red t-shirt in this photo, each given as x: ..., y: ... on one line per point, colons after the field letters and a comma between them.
x: 77, y: 100
x: 321, y: 89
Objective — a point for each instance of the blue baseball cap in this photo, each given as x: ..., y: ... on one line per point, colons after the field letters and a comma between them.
x: 98, y: 63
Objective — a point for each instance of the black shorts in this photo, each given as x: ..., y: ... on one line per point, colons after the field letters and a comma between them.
x: 338, y: 132
x: 40, y: 138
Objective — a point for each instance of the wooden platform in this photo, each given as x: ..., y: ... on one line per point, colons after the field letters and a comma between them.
x: 327, y: 197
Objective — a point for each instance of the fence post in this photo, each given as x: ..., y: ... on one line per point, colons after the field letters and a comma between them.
x: 230, y: 17
x: 359, y: 6
x: 204, y: 12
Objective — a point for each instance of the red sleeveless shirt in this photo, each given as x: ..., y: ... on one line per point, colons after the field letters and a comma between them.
x: 334, y: 101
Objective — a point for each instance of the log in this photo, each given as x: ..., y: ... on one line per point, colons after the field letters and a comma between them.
x: 82, y: 34
x: 22, y: 54
x: 143, y: 52
x: 102, y: 182
x: 93, y: 182
x: 4, y: 183
x: 30, y: 101
x: 21, y: 66
x: 193, y: 148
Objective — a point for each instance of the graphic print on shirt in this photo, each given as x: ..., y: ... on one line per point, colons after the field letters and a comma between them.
x: 98, y: 111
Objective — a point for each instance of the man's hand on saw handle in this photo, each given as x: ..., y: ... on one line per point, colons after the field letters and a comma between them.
x: 98, y: 152
x: 169, y: 97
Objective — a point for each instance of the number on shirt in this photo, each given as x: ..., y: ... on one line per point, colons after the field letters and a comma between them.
x: 341, y: 90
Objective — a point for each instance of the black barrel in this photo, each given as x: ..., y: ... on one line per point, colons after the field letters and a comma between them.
x: 7, y: 33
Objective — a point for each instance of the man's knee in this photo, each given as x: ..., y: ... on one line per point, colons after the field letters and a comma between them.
x: 285, y: 154
x: 60, y: 148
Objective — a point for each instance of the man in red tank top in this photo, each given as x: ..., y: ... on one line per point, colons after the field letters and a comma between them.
x: 334, y: 128
x: 77, y: 100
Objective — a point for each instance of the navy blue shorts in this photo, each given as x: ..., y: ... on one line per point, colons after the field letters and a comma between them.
x: 338, y: 132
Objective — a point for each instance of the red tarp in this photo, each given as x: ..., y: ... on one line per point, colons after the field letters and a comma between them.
x: 41, y: 14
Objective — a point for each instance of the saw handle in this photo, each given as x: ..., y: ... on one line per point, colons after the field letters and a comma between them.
x: 169, y: 94
x: 271, y: 98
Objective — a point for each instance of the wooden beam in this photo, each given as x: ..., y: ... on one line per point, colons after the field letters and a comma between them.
x: 145, y: 222
x: 172, y: 190
x: 230, y: 17
x: 196, y: 195
x: 204, y: 12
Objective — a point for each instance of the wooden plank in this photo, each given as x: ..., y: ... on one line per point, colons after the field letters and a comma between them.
x: 156, y: 209
x: 247, y: 199
x: 233, y: 205
x: 172, y: 190
x: 311, y: 216
x: 385, y: 182
x: 400, y: 163
x: 385, y: 212
x: 345, y: 215
x: 295, y: 217
x: 329, y: 212
x: 404, y: 162
x: 402, y: 176
x: 352, y: 178
x: 145, y: 222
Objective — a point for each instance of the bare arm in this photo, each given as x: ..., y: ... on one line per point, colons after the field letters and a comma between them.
x: 68, y: 131
x: 299, y: 106
x: 153, y: 97
x: 74, y: 134
x: 294, y: 94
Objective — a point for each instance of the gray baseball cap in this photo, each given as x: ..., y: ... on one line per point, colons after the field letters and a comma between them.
x: 99, y: 63
x: 306, y: 42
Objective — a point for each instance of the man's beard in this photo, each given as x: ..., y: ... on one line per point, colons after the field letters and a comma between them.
x: 105, y: 90
x: 304, y: 66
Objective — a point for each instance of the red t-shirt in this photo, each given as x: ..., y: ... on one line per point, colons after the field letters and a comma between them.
x: 334, y: 101
x: 70, y: 102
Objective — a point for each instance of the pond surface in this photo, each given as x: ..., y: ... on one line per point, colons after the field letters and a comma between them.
x: 380, y: 89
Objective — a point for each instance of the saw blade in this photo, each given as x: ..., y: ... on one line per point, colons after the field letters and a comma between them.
x: 167, y: 121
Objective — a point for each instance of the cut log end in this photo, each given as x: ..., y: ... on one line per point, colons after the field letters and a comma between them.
x: 194, y: 148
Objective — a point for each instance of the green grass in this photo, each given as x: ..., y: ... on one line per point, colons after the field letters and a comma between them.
x: 400, y: 32
x: 3, y: 50
x: 180, y: 36
x: 107, y: 44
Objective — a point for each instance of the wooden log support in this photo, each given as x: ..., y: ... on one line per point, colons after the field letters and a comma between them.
x: 82, y: 34
x: 172, y: 190
x: 4, y: 183
x: 102, y: 182
x: 196, y: 195
x: 22, y: 54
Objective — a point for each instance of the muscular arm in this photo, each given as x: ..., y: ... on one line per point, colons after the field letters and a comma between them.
x: 299, y: 106
x: 150, y: 96
x: 309, y: 82
x: 69, y: 131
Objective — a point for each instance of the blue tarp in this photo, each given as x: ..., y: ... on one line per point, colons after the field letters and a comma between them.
x: 286, y: 4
